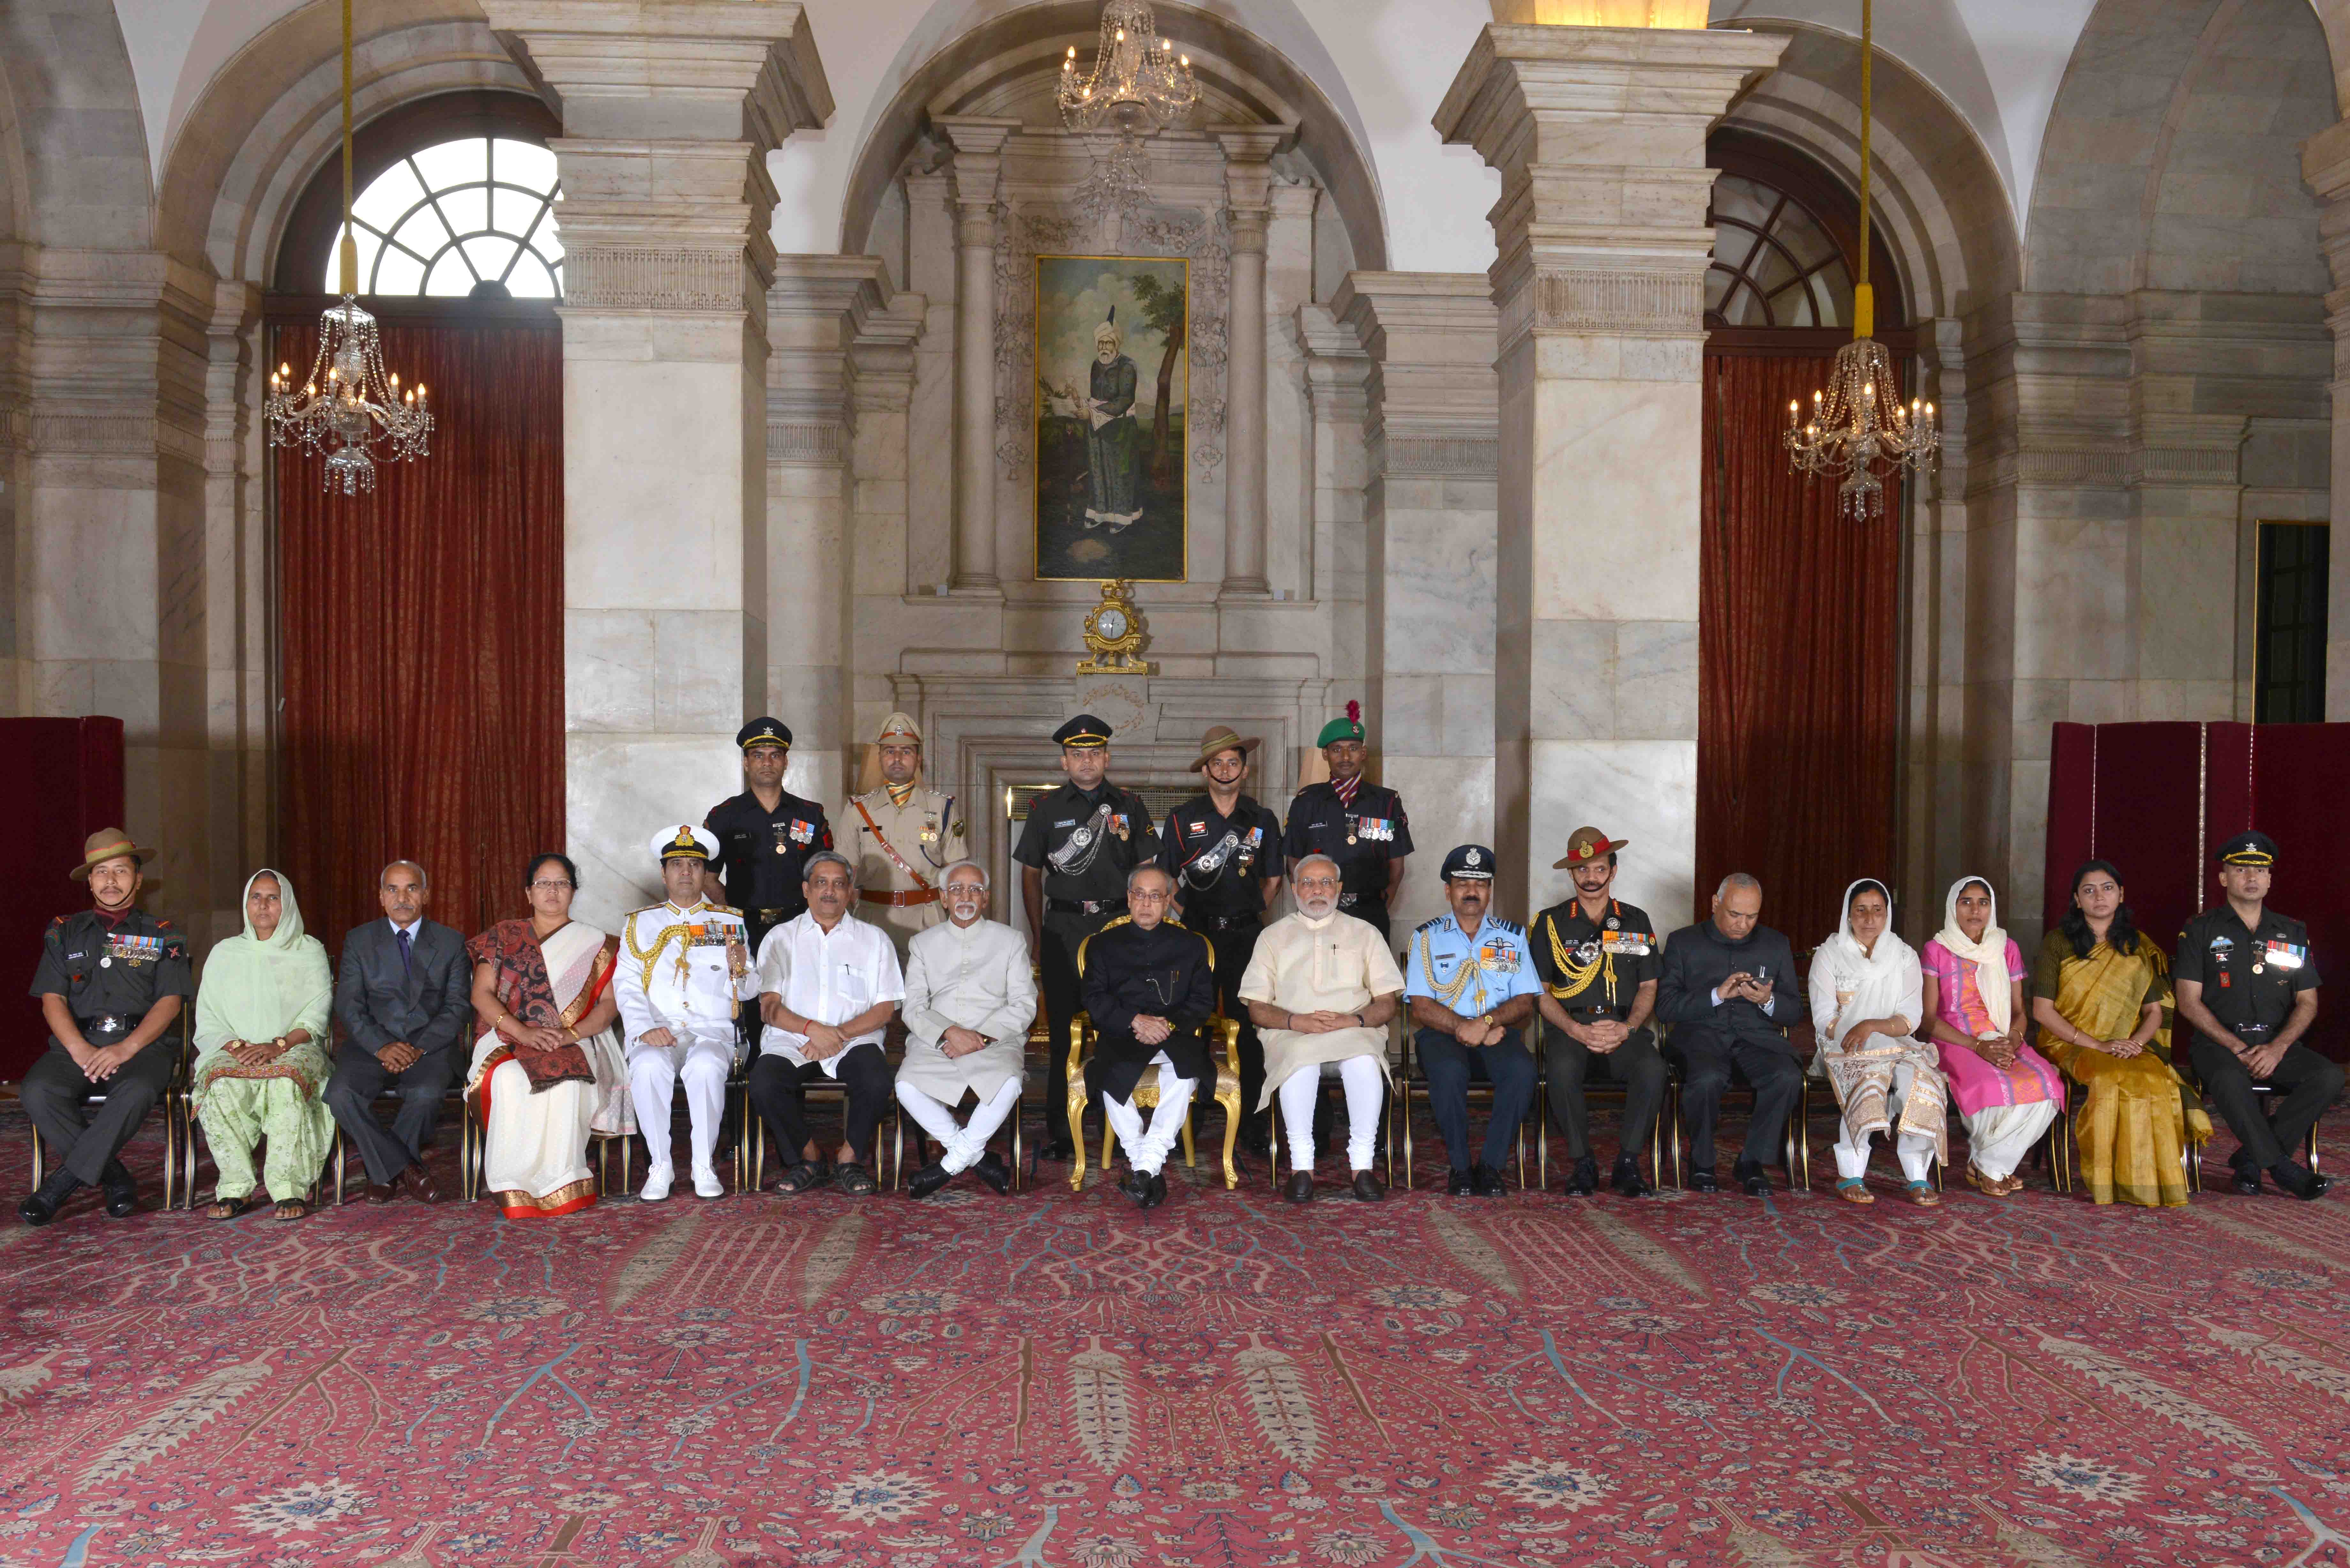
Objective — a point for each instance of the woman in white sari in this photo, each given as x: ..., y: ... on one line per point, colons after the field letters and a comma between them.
x: 1867, y: 1002
x: 547, y: 1072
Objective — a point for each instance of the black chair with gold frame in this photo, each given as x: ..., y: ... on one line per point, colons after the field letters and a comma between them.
x: 1227, y: 1093
x: 1600, y: 1088
x: 179, y: 1162
x: 1794, y: 1142
x: 1412, y: 1084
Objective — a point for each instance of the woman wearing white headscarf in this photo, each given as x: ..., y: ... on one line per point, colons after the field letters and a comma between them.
x: 2007, y: 1092
x: 1865, y: 1006
x: 261, y: 1053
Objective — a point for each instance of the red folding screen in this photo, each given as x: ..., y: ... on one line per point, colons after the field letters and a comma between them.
x: 62, y: 782
x: 2157, y: 799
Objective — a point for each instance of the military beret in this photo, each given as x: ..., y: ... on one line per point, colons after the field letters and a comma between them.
x: 1085, y: 732
x: 2248, y: 848
x: 764, y: 731
x: 1349, y: 727
x: 1473, y: 862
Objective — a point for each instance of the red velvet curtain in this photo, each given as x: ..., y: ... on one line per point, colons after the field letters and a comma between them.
x: 422, y: 639
x: 1798, y: 618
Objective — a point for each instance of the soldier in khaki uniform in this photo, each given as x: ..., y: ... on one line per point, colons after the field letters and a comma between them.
x: 902, y: 838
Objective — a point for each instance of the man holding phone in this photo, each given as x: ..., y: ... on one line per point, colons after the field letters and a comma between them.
x: 1728, y: 990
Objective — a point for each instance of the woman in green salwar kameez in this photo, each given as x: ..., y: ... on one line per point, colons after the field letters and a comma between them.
x: 262, y: 1012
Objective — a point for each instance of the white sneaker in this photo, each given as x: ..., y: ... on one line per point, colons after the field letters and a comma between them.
x: 657, y: 1183
x: 707, y: 1185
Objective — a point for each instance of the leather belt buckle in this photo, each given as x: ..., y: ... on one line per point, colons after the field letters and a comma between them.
x: 1348, y: 900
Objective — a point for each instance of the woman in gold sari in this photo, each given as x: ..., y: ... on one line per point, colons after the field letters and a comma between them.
x: 2096, y: 995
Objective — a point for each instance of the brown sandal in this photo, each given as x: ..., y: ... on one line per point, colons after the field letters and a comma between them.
x: 290, y: 1209
x: 227, y: 1208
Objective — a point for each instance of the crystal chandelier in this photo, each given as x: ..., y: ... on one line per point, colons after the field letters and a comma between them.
x: 347, y: 404
x: 1139, y: 83
x: 1859, y: 430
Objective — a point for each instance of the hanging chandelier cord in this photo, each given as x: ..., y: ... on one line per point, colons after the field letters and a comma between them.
x: 349, y: 254
x: 1864, y: 299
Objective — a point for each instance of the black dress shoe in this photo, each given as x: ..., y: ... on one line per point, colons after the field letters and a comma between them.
x: 1750, y: 1177
x: 928, y: 1179
x: 382, y: 1191
x: 994, y: 1172
x: 2292, y: 1177
x: 1586, y: 1179
x: 1703, y: 1181
x: 41, y: 1205
x: 1626, y: 1179
x: 121, y: 1202
x: 1157, y: 1193
x: 1460, y: 1184
x: 420, y: 1182
x: 1369, y: 1188
x: 1136, y: 1185
x: 1299, y: 1188
x: 1485, y: 1182
x: 2248, y: 1178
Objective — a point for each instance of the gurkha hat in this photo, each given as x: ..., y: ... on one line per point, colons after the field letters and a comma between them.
x: 683, y: 842
x: 2248, y: 848
x: 899, y: 730
x: 1085, y: 732
x: 1219, y: 738
x: 1470, y: 862
x: 764, y: 731
x: 1585, y: 844
x: 107, y: 844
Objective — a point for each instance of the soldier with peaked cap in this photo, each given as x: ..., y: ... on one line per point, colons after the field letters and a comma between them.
x: 684, y: 968
x: 1598, y: 959
x: 111, y: 978
x: 1360, y: 826
x: 2246, y: 981
x: 1470, y: 987
x: 901, y: 838
x: 1224, y: 852
x: 763, y: 835
x: 1078, y: 844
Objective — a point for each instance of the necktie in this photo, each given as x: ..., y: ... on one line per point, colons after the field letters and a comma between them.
x: 406, y: 966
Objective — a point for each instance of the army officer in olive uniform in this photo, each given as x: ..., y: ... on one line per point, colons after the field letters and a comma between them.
x: 2246, y: 981
x: 1597, y: 957
x: 901, y: 838
x: 110, y: 981
x: 1078, y: 844
x: 1358, y: 825
x: 764, y: 836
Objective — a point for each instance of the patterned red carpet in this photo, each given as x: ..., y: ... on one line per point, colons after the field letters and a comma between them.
x: 1060, y: 1382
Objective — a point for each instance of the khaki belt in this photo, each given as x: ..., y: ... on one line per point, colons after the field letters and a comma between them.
x: 902, y: 900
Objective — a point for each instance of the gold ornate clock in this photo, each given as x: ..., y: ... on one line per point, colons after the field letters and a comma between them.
x: 1116, y: 634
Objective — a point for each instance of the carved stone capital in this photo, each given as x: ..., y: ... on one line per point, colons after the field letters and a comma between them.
x: 1667, y: 301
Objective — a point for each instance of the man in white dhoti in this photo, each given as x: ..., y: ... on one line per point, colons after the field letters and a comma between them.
x: 1321, y: 987
x: 970, y: 995
x: 683, y: 970
x: 828, y: 983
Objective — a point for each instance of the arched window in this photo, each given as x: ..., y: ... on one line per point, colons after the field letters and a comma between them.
x: 1773, y: 265
x: 473, y: 218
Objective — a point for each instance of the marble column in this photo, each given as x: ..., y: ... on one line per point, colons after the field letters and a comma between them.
x: 1428, y: 523
x: 978, y: 162
x: 2325, y: 166
x: 1599, y: 136
x: 669, y: 113
x: 16, y: 263
x: 239, y: 818
x: 1248, y: 176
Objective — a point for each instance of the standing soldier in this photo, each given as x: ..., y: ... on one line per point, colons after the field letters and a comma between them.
x: 764, y: 836
x: 1079, y: 842
x: 1224, y: 852
x: 1360, y: 826
x: 902, y: 838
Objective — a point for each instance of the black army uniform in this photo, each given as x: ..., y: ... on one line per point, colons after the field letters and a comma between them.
x: 1360, y: 826
x: 2251, y: 978
x: 1593, y: 969
x: 1219, y: 864
x: 112, y: 968
x: 762, y: 853
x: 1085, y: 842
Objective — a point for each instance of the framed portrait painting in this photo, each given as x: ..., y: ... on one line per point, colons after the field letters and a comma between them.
x: 1112, y: 386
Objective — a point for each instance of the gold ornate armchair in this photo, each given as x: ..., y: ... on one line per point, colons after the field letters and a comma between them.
x: 1146, y: 1092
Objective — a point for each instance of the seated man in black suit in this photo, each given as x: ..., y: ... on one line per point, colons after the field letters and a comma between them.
x: 402, y: 996
x: 1728, y: 991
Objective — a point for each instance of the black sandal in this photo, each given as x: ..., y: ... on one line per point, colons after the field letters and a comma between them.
x: 228, y: 1208
x: 291, y: 1208
x: 857, y: 1181
x: 805, y: 1176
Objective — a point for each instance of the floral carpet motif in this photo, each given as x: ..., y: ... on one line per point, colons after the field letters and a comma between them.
x: 1054, y: 1380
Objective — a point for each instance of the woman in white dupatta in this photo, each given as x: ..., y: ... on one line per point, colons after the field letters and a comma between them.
x: 547, y: 1072
x: 1866, y: 1003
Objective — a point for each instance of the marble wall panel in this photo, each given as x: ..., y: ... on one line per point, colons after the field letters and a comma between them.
x: 1616, y: 466
x: 650, y: 474
x: 618, y: 790
x: 1449, y: 801
x: 1641, y: 791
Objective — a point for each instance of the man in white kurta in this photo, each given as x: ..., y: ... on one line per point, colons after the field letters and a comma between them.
x: 828, y: 983
x: 1321, y: 987
x: 683, y: 972
x: 970, y: 995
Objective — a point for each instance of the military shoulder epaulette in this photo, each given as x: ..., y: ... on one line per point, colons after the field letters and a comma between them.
x: 726, y: 909
x: 648, y: 909
x: 163, y: 925
x: 1428, y: 925
x: 60, y: 920
x: 1512, y: 927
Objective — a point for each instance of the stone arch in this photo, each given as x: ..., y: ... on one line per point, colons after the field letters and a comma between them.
x: 1008, y: 62
x: 1935, y: 193
x: 2172, y: 156
x: 272, y: 116
x: 82, y: 179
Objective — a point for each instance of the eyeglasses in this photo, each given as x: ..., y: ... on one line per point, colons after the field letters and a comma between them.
x: 964, y: 889
x: 549, y: 887
x: 1152, y: 896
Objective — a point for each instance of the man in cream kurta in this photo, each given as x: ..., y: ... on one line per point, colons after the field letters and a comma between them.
x: 681, y: 974
x: 971, y: 996
x: 902, y: 837
x: 1321, y: 987
x: 828, y: 985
